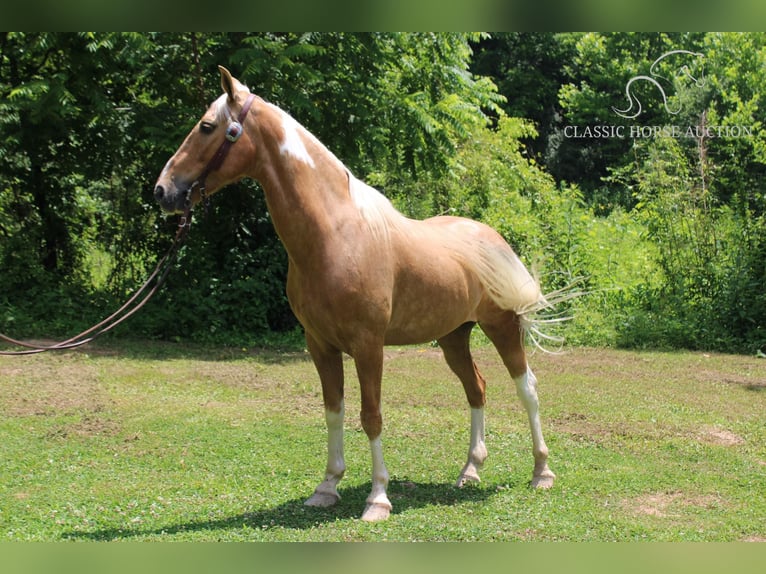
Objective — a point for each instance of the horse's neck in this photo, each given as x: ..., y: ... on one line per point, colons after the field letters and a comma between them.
x: 306, y: 187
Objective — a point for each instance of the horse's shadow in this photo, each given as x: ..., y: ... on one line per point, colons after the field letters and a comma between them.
x: 404, y: 495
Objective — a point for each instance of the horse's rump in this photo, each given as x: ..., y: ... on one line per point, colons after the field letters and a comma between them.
x: 483, y: 251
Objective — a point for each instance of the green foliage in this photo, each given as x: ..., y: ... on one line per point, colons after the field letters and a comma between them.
x: 528, y: 68
x: 229, y: 284
x: 710, y: 256
x: 699, y: 200
x: 667, y: 233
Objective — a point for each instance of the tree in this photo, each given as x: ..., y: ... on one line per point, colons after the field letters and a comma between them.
x: 62, y: 140
x: 88, y: 120
x: 529, y: 68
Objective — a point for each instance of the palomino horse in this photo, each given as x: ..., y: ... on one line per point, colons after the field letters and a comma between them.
x: 361, y: 275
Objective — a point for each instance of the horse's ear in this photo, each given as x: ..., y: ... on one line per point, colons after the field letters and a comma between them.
x: 227, y: 82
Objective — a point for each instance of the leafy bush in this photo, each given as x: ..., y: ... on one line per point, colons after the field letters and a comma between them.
x: 711, y: 257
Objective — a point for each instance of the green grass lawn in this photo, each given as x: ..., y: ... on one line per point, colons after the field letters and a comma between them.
x: 174, y: 442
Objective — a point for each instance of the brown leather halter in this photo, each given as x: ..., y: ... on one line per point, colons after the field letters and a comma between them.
x: 233, y: 132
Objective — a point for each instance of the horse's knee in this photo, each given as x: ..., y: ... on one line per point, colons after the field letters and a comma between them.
x: 372, y: 423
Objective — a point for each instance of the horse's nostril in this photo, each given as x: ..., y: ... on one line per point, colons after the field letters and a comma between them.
x: 159, y: 192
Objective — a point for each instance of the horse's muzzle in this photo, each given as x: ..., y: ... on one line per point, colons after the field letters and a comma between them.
x: 170, y: 200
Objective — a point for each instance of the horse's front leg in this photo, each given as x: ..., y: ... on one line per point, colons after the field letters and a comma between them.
x: 369, y: 367
x: 329, y: 365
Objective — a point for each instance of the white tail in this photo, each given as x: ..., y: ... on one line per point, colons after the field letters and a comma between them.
x: 544, y: 314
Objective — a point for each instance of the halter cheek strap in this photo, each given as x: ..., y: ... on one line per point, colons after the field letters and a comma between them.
x: 233, y: 132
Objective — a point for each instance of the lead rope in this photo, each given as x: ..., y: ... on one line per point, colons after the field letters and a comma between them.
x: 160, y: 273
x: 233, y: 133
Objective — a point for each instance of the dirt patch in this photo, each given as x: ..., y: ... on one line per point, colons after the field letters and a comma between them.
x: 228, y: 374
x: 58, y: 388
x: 656, y: 504
x: 581, y: 428
x: 751, y: 379
x: 589, y: 363
x: 719, y: 437
x: 668, y: 504
x: 88, y: 426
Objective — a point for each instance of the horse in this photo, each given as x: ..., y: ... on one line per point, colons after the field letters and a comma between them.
x: 361, y: 275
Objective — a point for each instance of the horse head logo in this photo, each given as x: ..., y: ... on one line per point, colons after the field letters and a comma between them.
x: 634, y: 108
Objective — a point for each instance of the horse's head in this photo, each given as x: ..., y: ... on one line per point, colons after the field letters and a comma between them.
x: 215, y: 153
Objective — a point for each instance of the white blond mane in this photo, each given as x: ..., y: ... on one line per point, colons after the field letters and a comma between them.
x: 375, y: 208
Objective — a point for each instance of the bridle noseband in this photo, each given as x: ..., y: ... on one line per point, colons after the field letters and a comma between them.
x: 233, y: 132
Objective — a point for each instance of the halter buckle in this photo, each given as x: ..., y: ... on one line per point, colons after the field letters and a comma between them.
x: 184, y: 221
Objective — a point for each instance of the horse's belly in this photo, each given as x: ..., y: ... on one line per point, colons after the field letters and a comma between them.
x: 428, y: 307
x: 430, y: 325
x: 415, y: 336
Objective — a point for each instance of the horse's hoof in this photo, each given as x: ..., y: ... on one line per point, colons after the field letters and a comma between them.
x: 543, y: 481
x: 323, y: 499
x: 375, y: 512
x: 468, y: 475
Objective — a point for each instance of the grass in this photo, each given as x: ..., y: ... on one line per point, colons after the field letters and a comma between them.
x: 173, y: 442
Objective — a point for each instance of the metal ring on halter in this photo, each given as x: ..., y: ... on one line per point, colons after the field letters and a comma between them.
x: 187, y: 195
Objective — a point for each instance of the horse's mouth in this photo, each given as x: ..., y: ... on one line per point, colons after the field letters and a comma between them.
x: 172, y: 208
x: 171, y: 201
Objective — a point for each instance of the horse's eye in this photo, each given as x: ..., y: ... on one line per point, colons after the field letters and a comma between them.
x: 206, y: 127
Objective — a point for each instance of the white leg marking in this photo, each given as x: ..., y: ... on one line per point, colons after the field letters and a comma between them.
x: 378, y: 505
x: 326, y: 494
x: 336, y: 464
x: 477, y: 451
x: 526, y: 388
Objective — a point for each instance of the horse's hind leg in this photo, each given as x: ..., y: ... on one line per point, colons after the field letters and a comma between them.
x: 329, y: 365
x: 506, y: 334
x: 457, y: 353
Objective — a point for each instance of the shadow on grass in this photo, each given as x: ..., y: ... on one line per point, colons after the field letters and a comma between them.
x: 166, y: 350
x: 294, y: 514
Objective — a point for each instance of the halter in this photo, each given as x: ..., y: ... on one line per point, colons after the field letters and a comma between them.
x: 233, y: 132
